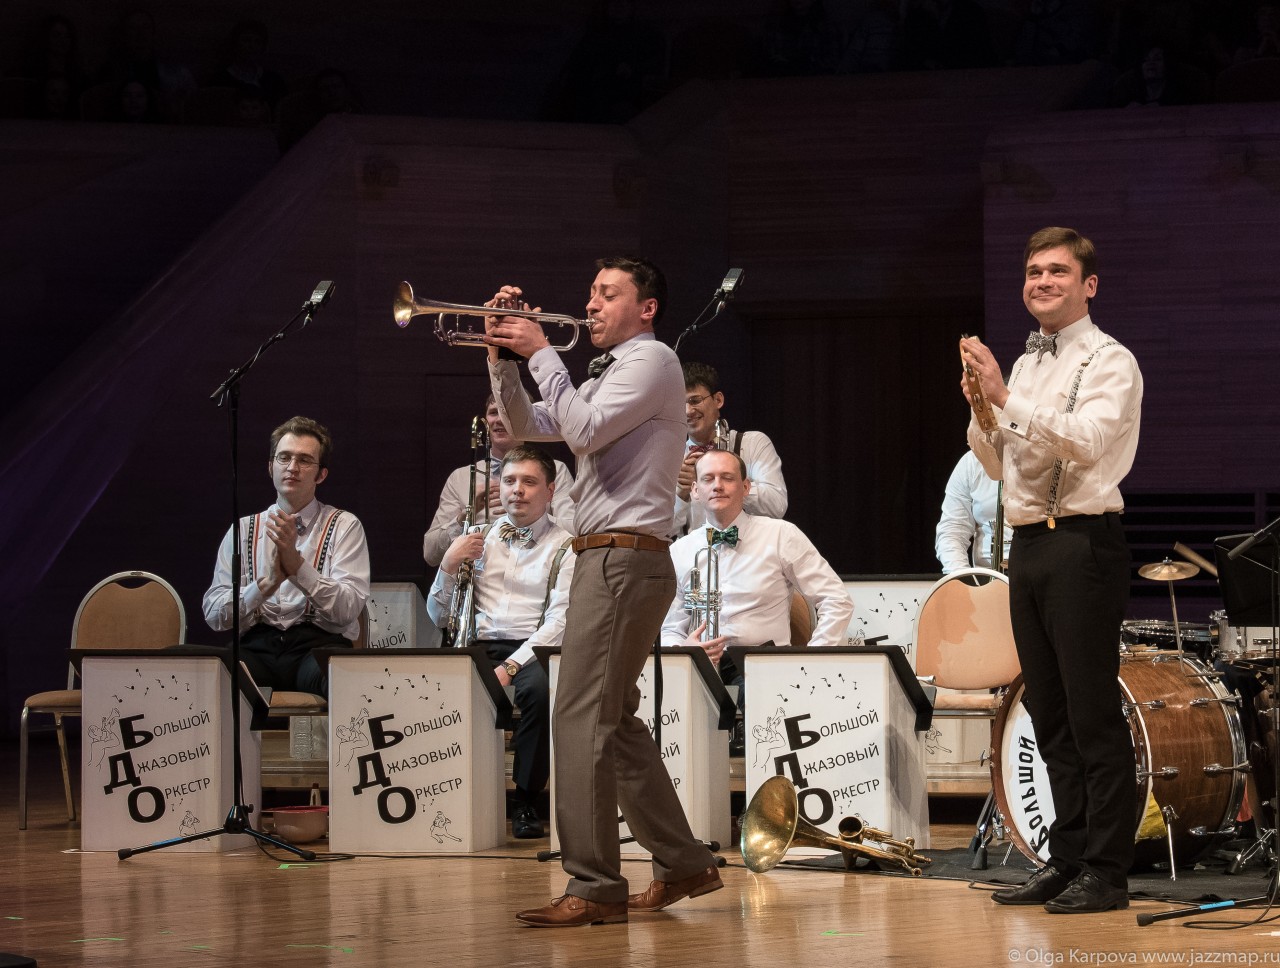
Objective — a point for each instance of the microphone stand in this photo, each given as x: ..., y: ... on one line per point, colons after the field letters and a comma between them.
x: 228, y: 392
x: 722, y: 296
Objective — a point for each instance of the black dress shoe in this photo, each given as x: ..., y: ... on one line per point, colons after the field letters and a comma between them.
x: 1089, y: 893
x: 1044, y: 885
x: 525, y: 824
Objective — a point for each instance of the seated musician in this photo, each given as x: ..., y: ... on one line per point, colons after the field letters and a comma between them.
x: 305, y: 569
x: 762, y: 562
x: 522, y: 575
x: 968, y: 521
x: 447, y: 523
x: 703, y: 401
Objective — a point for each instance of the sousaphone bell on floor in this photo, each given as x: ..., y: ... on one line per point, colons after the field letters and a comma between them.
x: 772, y: 825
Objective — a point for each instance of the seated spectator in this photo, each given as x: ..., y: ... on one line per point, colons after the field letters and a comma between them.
x: 134, y: 57
x: 244, y: 67
x: 1156, y: 82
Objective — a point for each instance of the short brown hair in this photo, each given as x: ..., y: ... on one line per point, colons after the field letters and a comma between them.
x: 742, y: 464
x: 525, y: 452
x: 649, y: 280
x: 1053, y: 236
x: 304, y: 427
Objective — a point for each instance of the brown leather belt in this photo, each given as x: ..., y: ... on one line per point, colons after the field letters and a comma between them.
x: 618, y: 539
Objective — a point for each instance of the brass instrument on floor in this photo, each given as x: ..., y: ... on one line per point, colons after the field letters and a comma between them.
x: 978, y: 399
x: 702, y: 598
x: 449, y: 319
x: 461, y: 625
x: 772, y: 825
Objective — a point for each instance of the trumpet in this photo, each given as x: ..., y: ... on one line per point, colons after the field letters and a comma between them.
x: 981, y: 408
x: 773, y: 825
x: 721, y: 439
x: 702, y: 599
x: 449, y: 317
x: 460, y: 627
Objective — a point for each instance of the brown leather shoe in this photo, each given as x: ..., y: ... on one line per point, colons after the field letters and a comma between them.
x: 569, y: 911
x: 663, y: 893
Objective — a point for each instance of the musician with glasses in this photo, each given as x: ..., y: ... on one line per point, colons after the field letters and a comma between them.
x: 304, y: 569
x: 521, y: 569
x: 1065, y: 437
x: 703, y: 401
x: 452, y: 509
x: 623, y: 422
x: 763, y: 562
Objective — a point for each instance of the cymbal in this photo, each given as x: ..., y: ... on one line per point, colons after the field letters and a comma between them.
x: 1168, y: 570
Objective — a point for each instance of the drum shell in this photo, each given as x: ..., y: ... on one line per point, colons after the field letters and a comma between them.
x: 1167, y: 732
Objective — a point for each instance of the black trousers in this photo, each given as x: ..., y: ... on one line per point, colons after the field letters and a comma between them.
x: 1068, y: 591
x: 281, y: 658
x: 532, y: 739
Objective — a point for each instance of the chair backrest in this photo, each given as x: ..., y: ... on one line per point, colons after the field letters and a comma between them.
x: 801, y: 620
x: 130, y: 610
x: 963, y: 638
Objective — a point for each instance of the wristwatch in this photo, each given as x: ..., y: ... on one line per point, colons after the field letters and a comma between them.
x: 511, y: 668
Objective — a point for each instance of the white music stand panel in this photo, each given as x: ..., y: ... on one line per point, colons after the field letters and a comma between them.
x: 157, y: 753
x: 415, y: 754
x: 695, y: 750
x: 852, y: 747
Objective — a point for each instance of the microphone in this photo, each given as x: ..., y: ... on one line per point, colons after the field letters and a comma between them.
x: 1261, y: 534
x: 732, y: 280
x: 320, y: 296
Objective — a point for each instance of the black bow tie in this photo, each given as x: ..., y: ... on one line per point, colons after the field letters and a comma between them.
x: 1039, y: 343
x: 597, y: 366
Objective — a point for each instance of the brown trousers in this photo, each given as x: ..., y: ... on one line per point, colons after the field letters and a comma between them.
x: 605, y: 757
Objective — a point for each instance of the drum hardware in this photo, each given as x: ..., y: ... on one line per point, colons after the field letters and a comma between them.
x: 1232, y: 700
x: 1171, y: 571
x: 1170, y: 815
x: 1149, y: 704
x: 406, y: 307
x: 1217, y: 769
x: 1203, y: 831
x: 772, y: 825
x: 1164, y: 773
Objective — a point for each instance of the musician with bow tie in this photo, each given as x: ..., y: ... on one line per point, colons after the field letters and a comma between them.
x: 1064, y: 437
x: 446, y: 525
x: 763, y: 561
x: 521, y: 570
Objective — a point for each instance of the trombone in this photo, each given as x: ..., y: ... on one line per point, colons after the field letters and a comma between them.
x: 449, y: 319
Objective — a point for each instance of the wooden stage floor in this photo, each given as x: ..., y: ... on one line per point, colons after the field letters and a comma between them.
x: 63, y: 907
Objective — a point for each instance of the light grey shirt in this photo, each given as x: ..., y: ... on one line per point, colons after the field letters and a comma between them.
x: 626, y: 428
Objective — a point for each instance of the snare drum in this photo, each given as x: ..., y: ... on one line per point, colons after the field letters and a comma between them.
x: 1198, y: 639
x: 1186, y: 738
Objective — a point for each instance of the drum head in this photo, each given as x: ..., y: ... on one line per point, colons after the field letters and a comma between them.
x: 963, y: 638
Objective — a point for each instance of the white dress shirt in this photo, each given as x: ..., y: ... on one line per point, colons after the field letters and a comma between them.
x: 447, y: 524
x: 331, y: 597
x: 1096, y: 441
x: 624, y: 426
x: 511, y: 587
x: 772, y: 560
x: 968, y: 517
x: 768, y: 497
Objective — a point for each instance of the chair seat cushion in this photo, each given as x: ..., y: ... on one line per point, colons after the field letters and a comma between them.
x: 56, y: 701
x: 307, y: 703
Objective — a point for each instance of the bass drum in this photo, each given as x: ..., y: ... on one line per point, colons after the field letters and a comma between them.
x: 1186, y: 739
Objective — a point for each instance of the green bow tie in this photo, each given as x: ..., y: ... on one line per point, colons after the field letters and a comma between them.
x: 729, y: 536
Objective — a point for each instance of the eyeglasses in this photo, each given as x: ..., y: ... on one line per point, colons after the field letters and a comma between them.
x: 694, y: 401
x: 302, y: 460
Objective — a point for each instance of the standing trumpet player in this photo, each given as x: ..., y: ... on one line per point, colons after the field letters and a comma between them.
x: 762, y: 562
x: 1065, y: 435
